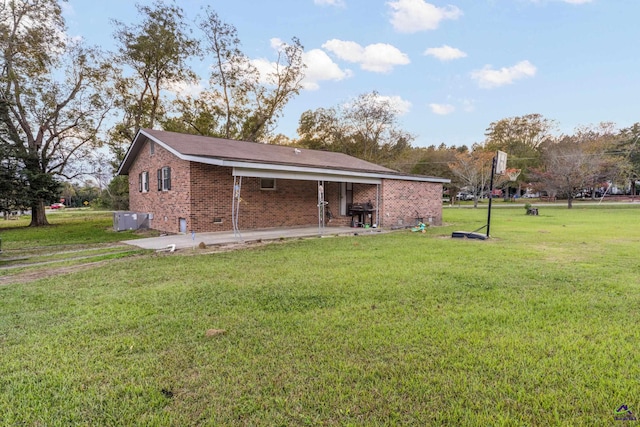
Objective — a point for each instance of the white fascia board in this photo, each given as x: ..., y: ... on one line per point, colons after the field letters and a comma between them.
x: 205, y: 160
x: 129, y: 152
x: 261, y: 171
x: 417, y: 178
x: 304, y: 176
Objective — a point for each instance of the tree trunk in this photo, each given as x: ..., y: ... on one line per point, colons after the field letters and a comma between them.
x: 38, y: 214
x: 569, y: 202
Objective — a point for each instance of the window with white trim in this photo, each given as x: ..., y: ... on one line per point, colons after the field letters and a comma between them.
x: 143, y: 182
x: 164, y: 179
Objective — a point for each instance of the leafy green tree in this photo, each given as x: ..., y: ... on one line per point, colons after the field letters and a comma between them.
x: 54, y: 91
x: 12, y: 180
x: 153, y: 55
x: 568, y: 166
x: 628, y: 144
x: 323, y: 129
x: 521, y: 138
x: 367, y: 128
x: 241, y: 102
x: 434, y: 161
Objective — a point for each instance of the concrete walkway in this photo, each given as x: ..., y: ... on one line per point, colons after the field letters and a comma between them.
x: 187, y: 241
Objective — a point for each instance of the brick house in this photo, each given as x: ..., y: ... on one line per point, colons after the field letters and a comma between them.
x: 203, y: 184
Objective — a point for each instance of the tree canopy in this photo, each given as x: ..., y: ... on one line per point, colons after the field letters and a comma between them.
x: 242, y: 101
x: 53, y: 89
x: 365, y: 127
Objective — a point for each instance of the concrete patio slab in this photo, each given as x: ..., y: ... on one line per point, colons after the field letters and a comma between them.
x: 188, y: 241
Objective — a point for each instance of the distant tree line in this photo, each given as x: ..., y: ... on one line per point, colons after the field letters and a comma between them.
x: 592, y: 160
x: 69, y: 111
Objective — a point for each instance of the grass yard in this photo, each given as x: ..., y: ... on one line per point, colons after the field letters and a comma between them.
x: 74, y: 240
x: 537, y: 326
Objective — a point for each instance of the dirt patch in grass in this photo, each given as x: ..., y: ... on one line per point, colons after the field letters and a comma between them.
x: 30, y: 276
x: 36, y: 271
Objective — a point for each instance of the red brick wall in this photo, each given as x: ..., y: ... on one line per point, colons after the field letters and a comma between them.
x: 291, y: 204
x: 403, y: 201
x: 169, y: 206
x: 211, y: 189
x: 202, y: 195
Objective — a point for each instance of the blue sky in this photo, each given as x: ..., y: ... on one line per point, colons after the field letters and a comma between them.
x: 451, y: 68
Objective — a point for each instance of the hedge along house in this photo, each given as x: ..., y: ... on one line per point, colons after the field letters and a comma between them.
x: 202, y: 184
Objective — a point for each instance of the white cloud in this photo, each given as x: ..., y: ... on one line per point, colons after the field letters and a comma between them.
x: 379, y: 57
x: 445, y: 53
x: 400, y: 105
x: 411, y: 16
x: 265, y: 68
x: 321, y: 67
x: 488, y: 78
x: 339, y: 3
x: 442, y: 109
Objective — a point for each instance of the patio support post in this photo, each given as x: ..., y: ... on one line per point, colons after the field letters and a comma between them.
x: 321, y: 207
x: 235, y: 207
x: 378, y: 205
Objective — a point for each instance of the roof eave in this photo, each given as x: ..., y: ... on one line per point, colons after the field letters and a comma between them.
x: 135, y: 148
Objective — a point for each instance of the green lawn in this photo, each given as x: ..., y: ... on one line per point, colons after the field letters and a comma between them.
x: 68, y: 227
x: 537, y: 326
x: 73, y: 239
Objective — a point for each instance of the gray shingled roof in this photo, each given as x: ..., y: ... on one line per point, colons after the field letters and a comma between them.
x: 203, y: 148
x: 262, y: 153
x: 252, y: 152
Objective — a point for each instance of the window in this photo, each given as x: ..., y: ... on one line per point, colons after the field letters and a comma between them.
x: 267, y: 183
x: 164, y: 179
x: 143, y: 182
x: 152, y: 147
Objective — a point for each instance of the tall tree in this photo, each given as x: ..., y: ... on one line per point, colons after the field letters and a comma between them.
x: 323, y: 129
x: 628, y: 142
x: 521, y: 137
x: 367, y: 128
x: 472, y: 171
x: 434, y: 161
x: 12, y: 176
x: 54, y: 92
x: 244, y: 97
x: 153, y: 59
x: 153, y: 54
x: 602, y: 141
x: 568, y: 166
